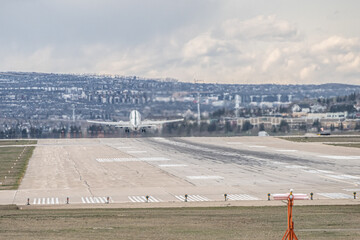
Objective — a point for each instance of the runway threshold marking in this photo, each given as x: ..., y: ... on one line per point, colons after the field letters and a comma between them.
x: 336, y: 195
x: 192, y: 198
x: 204, y: 177
x: 95, y: 199
x: 143, y: 199
x: 46, y: 201
x: 241, y: 197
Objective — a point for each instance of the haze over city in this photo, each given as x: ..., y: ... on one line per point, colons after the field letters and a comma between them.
x: 283, y: 42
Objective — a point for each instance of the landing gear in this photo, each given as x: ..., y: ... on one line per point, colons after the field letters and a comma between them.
x: 143, y: 130
x: 127, y: 130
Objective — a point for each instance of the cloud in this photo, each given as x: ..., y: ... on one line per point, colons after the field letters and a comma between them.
x: 261, y: 28
x: 166, y: 39
x: 337, y: 44
x: 307, y: 71
x: 338, y: 55
x: 273, y: 56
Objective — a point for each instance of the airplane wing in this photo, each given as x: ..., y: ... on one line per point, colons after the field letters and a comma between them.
x: 116, y: 124
x: 148, y: 123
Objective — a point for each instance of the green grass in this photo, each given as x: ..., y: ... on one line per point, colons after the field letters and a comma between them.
x: 13, y: 163
x: 17, y: 142
x: 356, y: 145
x: 323, y: 139
x: 311, y: 222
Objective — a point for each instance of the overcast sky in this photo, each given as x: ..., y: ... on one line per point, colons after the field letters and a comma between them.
x: 224, y: 41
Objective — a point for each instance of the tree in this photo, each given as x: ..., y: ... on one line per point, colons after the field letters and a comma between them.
x: 317, y: 124
x: 303, y: 127
x: 247, y: 126
x: 284, y: 126
x: 228, y: 127
x: 212, y: 127
x: 273, y: 129
x: 24, y: 133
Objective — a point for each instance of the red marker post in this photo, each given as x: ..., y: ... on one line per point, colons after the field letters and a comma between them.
x: 290, y: 234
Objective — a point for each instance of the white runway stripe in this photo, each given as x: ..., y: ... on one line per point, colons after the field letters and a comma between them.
x: 172, y: 165
x: 95, y: 200
x: 342, y: 157
x: 143, y: 199
x: 241, y: 197
x: 295, y: 166
x: 336, y: 195
x: 192, y: 198
x: 46, y: 201
x: 352, y: 189
x: 234, y: 143
x: 136, y: 152
x: 204, y: 177
x: 286, y: 150
x: 145, y: 159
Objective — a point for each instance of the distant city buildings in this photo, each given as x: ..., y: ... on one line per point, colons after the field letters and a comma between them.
x: 56, y: 101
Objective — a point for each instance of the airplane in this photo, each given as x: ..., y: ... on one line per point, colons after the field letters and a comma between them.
x: 135, y: 123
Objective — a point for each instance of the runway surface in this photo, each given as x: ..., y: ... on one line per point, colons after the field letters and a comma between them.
x: 97, y: 171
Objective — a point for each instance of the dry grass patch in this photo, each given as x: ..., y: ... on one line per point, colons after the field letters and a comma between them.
x: 311, y: 222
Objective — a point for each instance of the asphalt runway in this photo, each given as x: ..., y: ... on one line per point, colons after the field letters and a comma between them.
x: 91, y: 172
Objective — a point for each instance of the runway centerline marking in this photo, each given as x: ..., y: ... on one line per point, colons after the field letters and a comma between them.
x: 136, y: 151
x: 173, y: 165
x: 352, y: 189
x: 342, y: 157
x: 204, y: 177
x: 286, y: 150
x: 147, y: 159
x: 295, y: 167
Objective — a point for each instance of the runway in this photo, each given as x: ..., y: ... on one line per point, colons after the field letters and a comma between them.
x: 126, y: 170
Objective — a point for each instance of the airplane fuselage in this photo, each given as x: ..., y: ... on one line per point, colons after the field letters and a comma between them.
x: 135, y: 123
x: 135, y: 119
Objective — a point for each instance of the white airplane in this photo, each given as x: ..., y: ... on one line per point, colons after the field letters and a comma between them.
x: 135, y: 123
